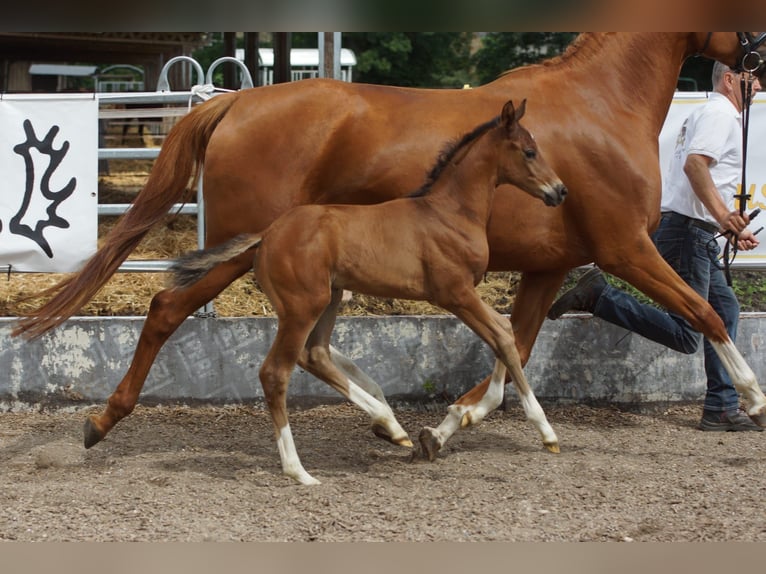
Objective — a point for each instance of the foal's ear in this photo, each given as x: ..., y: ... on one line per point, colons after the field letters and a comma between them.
x: 521, y: 110
x: 511, y: 116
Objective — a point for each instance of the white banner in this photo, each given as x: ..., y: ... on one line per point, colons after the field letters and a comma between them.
x: 49, y: 184
x: 755, y: 176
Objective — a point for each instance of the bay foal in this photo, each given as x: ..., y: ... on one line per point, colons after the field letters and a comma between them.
x: 431, y: 245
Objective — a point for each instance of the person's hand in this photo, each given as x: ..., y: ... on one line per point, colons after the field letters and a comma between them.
x: 734, y: 222
x: 747, y: 240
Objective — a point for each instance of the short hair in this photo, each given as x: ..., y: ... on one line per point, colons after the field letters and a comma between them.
x: 719, y: 70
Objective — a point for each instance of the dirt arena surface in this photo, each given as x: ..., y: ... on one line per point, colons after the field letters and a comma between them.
x: 212, y: 474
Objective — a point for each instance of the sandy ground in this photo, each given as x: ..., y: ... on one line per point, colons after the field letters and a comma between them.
x: 212, y: 474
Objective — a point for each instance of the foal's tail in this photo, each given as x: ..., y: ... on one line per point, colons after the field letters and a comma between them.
x: 192, y: 266
x: 179, y: 160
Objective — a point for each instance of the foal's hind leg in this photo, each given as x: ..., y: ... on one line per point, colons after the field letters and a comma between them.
x: 357, y: 375
x: 497, y: 332
x: 169, y: 308
x: 327, y: 364
x: 275, y: 376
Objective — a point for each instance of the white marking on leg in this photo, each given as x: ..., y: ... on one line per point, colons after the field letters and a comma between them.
x: 493, y: 398
x: 741, y: 376
x: 536, y: 416
x: 379, y: 412
x: 291, y: 464
x: 449, y: 425
x: 353, y: 372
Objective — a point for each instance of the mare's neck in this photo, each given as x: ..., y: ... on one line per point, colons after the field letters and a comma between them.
x: 613, y: 71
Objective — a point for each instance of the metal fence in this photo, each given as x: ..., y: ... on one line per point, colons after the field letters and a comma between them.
x: 154, y: 110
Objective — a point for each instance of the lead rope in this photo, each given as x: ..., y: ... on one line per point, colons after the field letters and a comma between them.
x: 742, y: 197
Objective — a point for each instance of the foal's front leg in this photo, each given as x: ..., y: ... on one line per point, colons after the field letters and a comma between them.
x: 496, y: 331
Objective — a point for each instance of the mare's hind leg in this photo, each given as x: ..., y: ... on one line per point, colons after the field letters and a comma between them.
x: 327, y: 364
x: 496, y: 330
x: 169, y: 308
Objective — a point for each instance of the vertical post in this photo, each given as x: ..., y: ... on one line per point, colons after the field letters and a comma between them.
x: 230, y: 50
x: 252, y: 61
x: 207, y: 310
x: 329, y: 54
x: 282, y: 45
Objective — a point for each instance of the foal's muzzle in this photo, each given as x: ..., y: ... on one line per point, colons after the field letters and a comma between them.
x: 555, y: 195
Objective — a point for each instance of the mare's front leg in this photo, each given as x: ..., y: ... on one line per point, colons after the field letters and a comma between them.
x: 460, y: 415
x: 640, y: 264
x: 329, y: 365
x: 169, y: 308
x: 496, y: 331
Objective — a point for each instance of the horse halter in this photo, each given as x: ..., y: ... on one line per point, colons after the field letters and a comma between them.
x: 751, y: 60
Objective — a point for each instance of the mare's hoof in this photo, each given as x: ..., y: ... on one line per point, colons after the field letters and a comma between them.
x: 380, y: 431
x: 429, y: 443
x: 552, y: 447
x: 91, y: 434
x: 759, y: 418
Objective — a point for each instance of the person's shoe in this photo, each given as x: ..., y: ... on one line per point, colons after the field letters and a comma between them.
x: 581, y: 297
x: 732, y: 421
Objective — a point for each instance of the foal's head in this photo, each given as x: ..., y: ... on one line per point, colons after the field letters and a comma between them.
x: 521, y: 163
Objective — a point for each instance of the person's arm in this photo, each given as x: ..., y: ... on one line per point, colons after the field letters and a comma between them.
x: 697, y: 169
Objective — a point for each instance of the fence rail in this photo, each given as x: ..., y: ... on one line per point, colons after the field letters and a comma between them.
x: 106, y: 114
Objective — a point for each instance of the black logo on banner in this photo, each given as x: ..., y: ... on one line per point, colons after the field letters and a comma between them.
x: 55, y: 157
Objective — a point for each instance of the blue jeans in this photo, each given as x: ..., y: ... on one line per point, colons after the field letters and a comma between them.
x: 692, y: 253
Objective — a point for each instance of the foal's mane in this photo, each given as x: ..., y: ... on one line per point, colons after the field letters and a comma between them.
x: 449, y: 152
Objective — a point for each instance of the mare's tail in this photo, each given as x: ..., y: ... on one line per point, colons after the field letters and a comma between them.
x: 192, y: 266
x: 179, y: 161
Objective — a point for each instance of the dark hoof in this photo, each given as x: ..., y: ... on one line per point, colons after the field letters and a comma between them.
x: 429, y: 443
x: 91, y: 435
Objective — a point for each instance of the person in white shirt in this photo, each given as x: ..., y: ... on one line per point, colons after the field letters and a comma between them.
x: 697, y: 203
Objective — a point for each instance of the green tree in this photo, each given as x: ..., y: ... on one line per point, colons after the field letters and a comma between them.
x: 415, y: 59
x: 502, y: 51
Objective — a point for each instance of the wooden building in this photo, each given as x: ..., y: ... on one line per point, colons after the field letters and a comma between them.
x: 56, y: 55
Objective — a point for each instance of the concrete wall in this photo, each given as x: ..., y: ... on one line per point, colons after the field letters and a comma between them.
x: 576, y: 358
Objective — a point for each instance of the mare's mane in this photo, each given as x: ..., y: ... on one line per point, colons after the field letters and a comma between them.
x: 582, y: 47
x: 449, y: 152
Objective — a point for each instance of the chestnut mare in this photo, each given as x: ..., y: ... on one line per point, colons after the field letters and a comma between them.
x: 598, y: 111
x: 431, y: 245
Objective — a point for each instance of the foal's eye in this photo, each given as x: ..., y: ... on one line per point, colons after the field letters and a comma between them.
x: 530, y: 153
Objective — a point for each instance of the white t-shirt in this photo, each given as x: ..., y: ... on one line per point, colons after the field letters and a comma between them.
x: 713, y: 130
